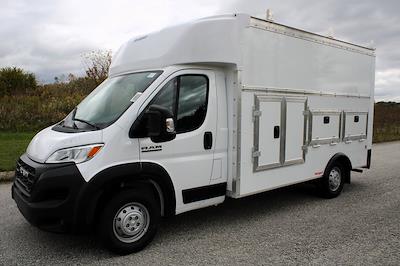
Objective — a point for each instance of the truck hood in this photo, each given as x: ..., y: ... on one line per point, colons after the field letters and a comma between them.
x: 47, y: 141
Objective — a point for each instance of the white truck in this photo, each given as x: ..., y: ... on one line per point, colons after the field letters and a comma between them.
x: 225, y: 106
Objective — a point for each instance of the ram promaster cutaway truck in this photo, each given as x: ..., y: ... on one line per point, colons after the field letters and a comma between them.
x: 225, y: 106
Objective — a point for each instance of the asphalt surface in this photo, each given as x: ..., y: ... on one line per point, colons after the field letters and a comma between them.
x: 286, y: 226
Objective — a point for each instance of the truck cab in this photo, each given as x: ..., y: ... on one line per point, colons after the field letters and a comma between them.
x: 162, y: 132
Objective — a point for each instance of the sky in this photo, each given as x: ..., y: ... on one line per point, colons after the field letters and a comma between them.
x: 49, y: 37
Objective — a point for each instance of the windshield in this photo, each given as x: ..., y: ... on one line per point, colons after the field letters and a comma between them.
x: 111, y: 98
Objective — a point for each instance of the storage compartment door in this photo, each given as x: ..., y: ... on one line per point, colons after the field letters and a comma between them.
x: 295, y: 130
x: 324, y: 127
x: 267, y: 132
x: 355, y: 126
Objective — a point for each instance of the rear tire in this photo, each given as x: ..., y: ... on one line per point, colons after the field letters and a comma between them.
x: 129, y: 221
x: 331, y: 184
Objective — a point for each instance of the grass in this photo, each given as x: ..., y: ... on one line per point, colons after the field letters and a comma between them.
x: 387, y: 133
x: 12, y: 145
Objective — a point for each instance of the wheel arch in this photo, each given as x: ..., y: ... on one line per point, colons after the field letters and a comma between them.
x: 343, y: 160
x: 110, y: 181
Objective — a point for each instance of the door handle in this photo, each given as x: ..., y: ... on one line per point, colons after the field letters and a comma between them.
x: 208, y: 140
x: 276, y: 132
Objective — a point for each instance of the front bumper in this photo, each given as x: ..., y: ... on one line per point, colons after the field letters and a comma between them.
x: 46, y: 194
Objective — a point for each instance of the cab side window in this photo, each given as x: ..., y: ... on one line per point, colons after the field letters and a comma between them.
x: 192, y: 103
x: 186, y: 97
x: 166, y: 97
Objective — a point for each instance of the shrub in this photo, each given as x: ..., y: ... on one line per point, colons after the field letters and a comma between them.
x: 49, y: 104
x: 16, y: 81
x: 386, y: 121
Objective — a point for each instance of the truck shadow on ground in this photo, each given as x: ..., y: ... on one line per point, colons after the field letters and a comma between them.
x: 187, y: 225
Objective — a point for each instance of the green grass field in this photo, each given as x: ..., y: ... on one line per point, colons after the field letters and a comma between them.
x: 12, y: 145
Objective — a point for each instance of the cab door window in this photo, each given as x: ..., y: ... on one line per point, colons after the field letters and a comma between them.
x: 192, y: 102
x: 186, y: 97
x: 167, y: 96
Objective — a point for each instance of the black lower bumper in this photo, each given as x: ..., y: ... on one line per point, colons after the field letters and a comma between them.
x: 46, y: 194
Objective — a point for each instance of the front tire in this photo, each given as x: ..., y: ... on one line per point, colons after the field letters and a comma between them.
x: 331, y: 184
x: 129, y: 221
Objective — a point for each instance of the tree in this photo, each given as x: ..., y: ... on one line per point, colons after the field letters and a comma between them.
x: 97, y: 64
x: 15, y: 80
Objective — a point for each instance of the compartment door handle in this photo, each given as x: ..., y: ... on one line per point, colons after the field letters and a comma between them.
x: 276, y: 132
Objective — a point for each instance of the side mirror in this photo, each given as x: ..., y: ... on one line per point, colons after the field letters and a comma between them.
x: 160, y: 124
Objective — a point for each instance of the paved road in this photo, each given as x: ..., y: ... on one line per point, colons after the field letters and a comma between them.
x: 287, y: 226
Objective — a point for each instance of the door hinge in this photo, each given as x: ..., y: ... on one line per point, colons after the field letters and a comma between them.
x: 255, y: 153
x: 256, y: 113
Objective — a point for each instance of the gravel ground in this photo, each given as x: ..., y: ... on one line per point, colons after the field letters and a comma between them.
x: 285, y: 226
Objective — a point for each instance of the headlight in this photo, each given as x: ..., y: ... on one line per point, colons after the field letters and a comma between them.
x: 76, y: 154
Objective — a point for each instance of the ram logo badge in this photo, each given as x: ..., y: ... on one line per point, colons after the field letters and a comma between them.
x: 23, y: 172
x: 151, y: 148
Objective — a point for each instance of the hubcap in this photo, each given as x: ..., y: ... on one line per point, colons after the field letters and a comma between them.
x: 131, y: 222
x: 335, y: 179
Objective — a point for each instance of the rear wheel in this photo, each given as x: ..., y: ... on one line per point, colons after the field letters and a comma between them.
x: 129, y: 221
x: 331, y: 184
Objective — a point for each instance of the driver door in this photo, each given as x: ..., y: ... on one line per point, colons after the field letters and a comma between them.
x: 191, y: 96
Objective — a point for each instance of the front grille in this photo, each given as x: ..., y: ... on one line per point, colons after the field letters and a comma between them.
x: 25, y: 177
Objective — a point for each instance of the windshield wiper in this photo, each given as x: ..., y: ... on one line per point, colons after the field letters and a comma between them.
x: 87, y: 123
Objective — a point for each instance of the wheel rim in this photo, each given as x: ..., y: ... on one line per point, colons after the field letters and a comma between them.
x: 131, y: 222
x: 335, y: 178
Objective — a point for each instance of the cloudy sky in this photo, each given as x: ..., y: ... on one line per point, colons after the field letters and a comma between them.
x: 49, y: 37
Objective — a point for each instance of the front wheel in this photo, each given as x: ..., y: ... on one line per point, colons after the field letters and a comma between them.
x: 129, y: 221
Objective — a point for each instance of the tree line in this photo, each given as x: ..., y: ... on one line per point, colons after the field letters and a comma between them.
x: 27, y: 106
x: 17, y: 81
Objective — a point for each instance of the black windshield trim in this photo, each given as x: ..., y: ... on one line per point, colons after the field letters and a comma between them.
x: 60, y: 128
